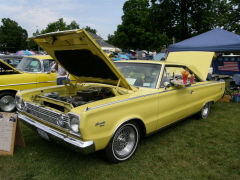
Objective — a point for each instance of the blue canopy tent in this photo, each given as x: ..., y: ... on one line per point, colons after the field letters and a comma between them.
x: 216, y: 40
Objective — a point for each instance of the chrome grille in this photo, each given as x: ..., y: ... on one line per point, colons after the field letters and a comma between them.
x: 45, y: 114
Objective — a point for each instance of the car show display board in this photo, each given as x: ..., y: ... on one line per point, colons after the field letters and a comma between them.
x: 10, y: 133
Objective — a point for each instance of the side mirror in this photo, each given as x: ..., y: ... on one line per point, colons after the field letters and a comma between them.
x: 166, y: 85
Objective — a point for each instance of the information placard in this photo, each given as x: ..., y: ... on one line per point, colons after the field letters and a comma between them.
x: 10, y: 133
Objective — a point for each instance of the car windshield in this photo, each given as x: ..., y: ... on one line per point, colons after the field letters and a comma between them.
x: 140, y: 74
x: 29, y: 65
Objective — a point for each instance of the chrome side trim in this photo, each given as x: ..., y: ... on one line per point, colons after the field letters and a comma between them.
x: 107, y: 104
x: 26, y: 83
x: 84, y: 147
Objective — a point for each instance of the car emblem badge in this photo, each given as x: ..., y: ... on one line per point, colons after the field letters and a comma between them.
x: 100, y: 124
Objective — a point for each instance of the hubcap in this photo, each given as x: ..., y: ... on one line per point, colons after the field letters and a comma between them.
x: 205, y: 110
x: 7, y: 103
x: 125, y: 141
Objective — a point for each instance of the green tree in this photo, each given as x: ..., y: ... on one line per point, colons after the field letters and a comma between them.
x: 31, y: 44
x: 228, y: 15
x: 183, y: 19
x: 149, y: 24
x: 89, y: 29
x: 12, y: 36
x: 60, y: 25
x: 136, y: 30
x: 73, y: 25
x: 111, y: 39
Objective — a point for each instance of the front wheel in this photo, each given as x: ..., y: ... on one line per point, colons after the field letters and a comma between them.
x: 7, y: 102
x: 204, y: 111
x: 124, y: 143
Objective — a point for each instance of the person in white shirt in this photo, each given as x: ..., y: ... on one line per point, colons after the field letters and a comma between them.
x: 61, y: 73
x: 154, y: 53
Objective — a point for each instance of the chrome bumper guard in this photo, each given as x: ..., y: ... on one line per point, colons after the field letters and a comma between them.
x: 85, y: 147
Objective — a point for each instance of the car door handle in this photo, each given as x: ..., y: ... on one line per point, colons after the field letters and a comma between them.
x: 190, y: 92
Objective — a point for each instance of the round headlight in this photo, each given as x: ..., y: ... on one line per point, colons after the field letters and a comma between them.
x: 74, y: 124
x: 19, y: 103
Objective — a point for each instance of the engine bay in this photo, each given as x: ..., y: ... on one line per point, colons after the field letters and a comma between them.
x: 81, y: 97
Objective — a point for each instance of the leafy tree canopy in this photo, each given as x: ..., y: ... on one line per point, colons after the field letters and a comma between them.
x: 186, y: 19
x: 94, y: 31
x: 60, y: 25
x: 149, y: 24
x: 136, y: 30
x: 12, y: 36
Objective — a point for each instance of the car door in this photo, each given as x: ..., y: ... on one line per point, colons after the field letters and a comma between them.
x: 177, y: 102
x: 12, y: 79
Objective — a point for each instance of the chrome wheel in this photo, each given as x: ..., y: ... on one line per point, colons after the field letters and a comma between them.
x: 124, y: 143
x: 204, y: 111
x: 7, y: 102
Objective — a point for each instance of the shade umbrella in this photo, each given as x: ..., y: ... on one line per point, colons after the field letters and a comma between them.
x: 26, y: 53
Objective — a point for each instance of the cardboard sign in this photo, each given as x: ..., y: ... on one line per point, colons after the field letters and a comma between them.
x: 10, y: 133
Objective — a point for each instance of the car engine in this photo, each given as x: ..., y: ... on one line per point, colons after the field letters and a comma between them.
x: 82, y: 97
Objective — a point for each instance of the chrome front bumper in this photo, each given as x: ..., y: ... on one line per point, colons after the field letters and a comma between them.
x: 85, y: 147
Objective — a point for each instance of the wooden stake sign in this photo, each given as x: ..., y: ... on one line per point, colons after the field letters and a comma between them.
x: 10, y: 133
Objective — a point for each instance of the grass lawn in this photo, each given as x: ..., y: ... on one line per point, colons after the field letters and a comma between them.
x: 189, y: 150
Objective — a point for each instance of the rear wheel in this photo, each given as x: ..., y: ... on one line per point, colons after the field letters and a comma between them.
x: 204, y: 111
x: 124, y: 143
x: 7, y: 102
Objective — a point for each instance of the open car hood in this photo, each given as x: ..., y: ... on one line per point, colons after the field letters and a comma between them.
x: 200, y: 60
x: 80, y: 55
x: 6, y: 67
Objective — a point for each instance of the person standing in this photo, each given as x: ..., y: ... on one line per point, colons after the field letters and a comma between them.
x: 61, y: 73
x: 154, y: 53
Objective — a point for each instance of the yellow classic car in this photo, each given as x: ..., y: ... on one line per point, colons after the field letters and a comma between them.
x: 113, y: 104
x: 31, y: 72
x: 12, y: 60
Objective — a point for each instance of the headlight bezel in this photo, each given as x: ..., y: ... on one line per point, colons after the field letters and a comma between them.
x: 20, y: 104
x: 74, y: 124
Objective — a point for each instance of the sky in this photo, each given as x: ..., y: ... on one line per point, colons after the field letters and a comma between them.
x: 102, y: 15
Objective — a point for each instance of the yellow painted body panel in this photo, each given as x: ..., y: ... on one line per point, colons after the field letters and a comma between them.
x: 27, y: 81
x: 24, y: 80
x: 201, y: 60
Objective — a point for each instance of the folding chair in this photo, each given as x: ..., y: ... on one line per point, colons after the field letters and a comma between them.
x: 234, y: 86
